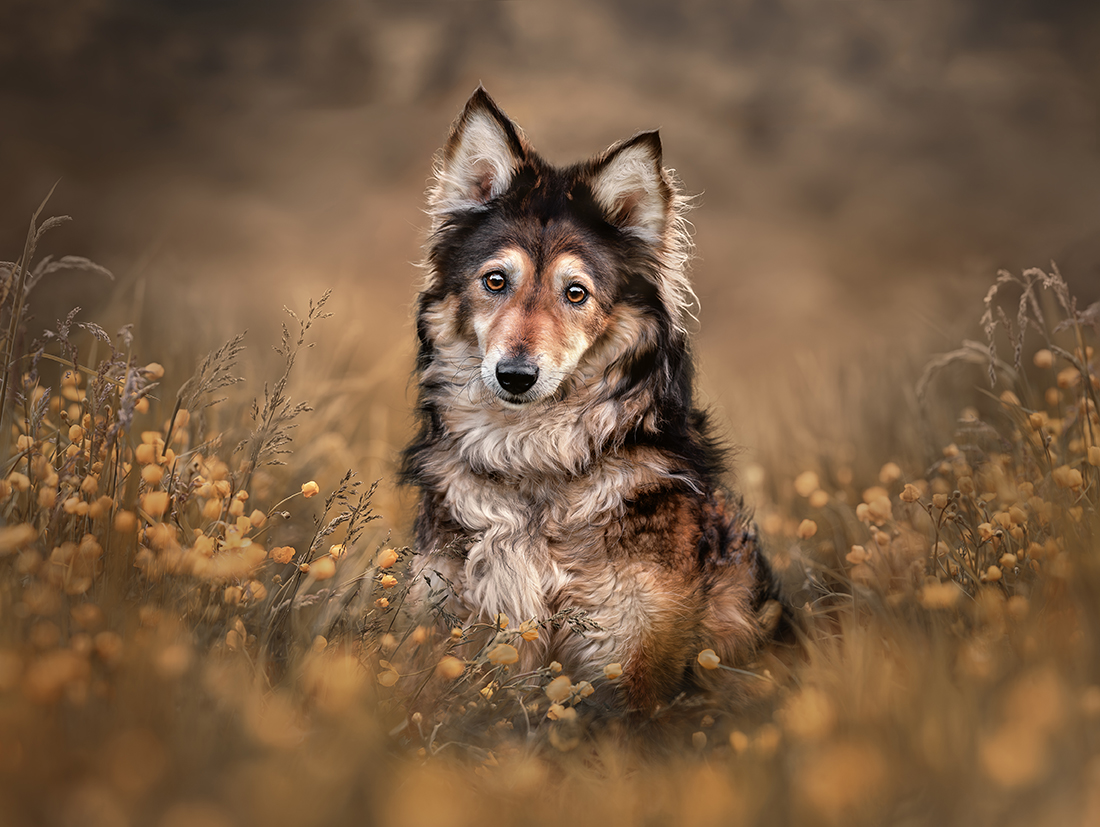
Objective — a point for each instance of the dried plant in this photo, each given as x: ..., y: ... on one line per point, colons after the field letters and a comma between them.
x: 191, y: 641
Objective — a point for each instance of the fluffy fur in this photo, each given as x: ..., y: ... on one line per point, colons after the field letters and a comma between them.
x: 561, y: 461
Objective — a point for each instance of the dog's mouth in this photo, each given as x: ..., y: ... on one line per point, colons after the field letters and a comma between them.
x: 512, y: 401
x: 516, y: 400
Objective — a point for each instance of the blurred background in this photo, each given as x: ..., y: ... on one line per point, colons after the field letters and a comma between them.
x: 863, y: 170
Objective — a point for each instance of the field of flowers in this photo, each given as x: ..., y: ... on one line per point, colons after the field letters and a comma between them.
x: 193, y: 631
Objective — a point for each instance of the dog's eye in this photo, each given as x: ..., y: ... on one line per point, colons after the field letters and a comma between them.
x: 495, y: 282
x: 576, y: 294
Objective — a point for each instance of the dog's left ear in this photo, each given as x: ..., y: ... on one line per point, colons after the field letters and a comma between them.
x: 480, y: 159
x: 632, y: 188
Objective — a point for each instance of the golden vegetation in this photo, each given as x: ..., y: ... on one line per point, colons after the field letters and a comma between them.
x: 184, y: 639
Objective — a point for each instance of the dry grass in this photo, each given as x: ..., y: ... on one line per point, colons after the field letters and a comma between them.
x: 192, y: 631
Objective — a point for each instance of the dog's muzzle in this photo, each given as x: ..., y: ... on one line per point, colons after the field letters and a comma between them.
x: 517, y: 375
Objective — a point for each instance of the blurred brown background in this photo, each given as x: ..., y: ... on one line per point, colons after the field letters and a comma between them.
x: 864, y: 167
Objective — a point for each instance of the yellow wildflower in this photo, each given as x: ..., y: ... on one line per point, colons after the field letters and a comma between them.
x: 709, y: 659
x: 450, y: 668
x: 559, y: 689
x: 503, y: 653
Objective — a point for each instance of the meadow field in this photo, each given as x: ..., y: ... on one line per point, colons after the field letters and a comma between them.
x: 204, y: 555
x: 201, y: 624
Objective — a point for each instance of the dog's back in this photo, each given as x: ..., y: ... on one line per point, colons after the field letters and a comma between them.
x: 561, y: 461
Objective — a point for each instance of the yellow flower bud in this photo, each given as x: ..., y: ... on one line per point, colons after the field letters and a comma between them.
x: 450, y: 668
x: 323, y: 568
x: 709, y: 659
x: 155, y: 503
x: 559, y: 689
x: 503, y: 653
x: 806, y: 483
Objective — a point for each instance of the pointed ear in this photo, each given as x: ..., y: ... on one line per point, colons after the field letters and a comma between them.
x: 481, y: 156
x: 632, y: 188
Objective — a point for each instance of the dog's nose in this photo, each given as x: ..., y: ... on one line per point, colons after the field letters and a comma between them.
x: 516, y: 375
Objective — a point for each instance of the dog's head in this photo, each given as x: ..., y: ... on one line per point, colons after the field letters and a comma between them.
x: 551, y: 277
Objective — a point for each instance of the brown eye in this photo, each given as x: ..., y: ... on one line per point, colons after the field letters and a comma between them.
x: 576, y: 294
x: 495, y: 282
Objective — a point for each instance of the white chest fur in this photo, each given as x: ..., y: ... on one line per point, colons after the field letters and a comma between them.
x: 539, y: 544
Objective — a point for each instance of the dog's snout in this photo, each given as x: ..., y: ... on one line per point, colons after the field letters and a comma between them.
x: 516, y: 375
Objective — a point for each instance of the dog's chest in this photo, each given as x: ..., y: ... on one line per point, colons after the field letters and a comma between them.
x: 532, y: 549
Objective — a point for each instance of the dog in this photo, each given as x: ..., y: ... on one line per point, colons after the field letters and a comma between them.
x: 561, y: 461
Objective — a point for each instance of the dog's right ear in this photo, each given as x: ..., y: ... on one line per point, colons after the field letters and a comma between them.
x: 481, y: 157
